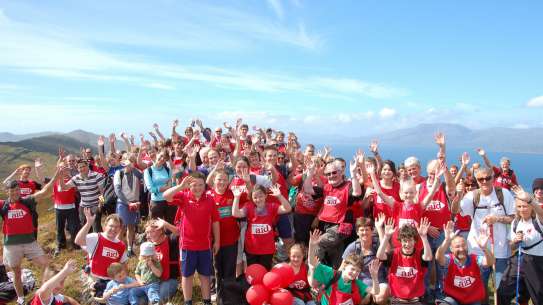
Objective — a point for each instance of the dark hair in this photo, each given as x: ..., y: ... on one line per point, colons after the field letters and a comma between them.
x: 82, y: 161
x: 270, y: 147
x: 391, y: 164
x: 244, y: 126
x: 13, y: 184
x: 364, y: 222
x: 241, y: 158
x: 257, y: 187
x: 198, y: 175
x: 407, y: 232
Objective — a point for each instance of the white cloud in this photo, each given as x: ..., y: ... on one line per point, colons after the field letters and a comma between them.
x: 355, y: 86
x: 387, y: 113
x: 277, y: 8
x: 309, y: 119
x: 159, y: 86
x: 535, y: 102
x: 521, y: 126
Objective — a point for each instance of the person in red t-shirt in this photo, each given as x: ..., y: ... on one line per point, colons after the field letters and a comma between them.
x: 504, y: 176
x: 225, y: 260
x: 261, y: 218
x: 199, y: 228
x: 66, y: 212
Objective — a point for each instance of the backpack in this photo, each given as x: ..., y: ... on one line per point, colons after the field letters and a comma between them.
x: 514, y: 224
x: 354, y: 290
x: 477, y: 199
x: 110, y: 198
x: 7, y: 288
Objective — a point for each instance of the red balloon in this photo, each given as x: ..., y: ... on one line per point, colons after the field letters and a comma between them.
x: 281, y: 297
x: 255, y: 273
x: 257, y: 295
x: 272, y: 280
x: 286, y: 272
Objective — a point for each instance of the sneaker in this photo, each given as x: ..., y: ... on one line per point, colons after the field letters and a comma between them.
x: 213, y: 297
x: 57, y: 252
x: 20, y: 301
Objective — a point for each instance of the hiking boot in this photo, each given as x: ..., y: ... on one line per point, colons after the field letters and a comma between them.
x: 57, y: 252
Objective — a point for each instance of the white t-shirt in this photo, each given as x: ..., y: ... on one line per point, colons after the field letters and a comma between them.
x: 489, y: 205
x: 531, y: 236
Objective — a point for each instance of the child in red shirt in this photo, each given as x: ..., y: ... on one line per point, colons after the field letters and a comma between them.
x: 261, y: 218
x: 200, y: 222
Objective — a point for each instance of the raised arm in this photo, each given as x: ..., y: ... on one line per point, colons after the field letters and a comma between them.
x: 157, y: 131
x: 464, y: 160
x: 236, y: 211
x: 374, y: 147
x: 353, y: 168
x: 436, y: 184
x: 38, y: 168
x: 383, y: 243
x: 312, y: 260
x: 47, y: 190
x: 45, y: 292
x: 483, y: 155
x: 81, y: 237
x: 185, y: 184
x: 482, y: 242
x: 423, y: 232
x: 375, y: 182
x: 448, y: 230
x: 285, y: 207
x: 127, y: 144
x: 112, y: 140
x: 16, y: 173
x: 527, y: 197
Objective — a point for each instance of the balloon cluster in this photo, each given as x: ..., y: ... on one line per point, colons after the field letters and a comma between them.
x: 268, y: 287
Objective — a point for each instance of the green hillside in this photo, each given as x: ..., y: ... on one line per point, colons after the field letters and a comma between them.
x: 12, y: 156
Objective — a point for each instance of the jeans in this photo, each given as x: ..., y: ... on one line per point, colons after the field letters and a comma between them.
x: 438, y: 289
x: 296, y: 301
x: 168, y: 289
x: 501, y: 264
x: 152, y: 291
x: 451, y: 301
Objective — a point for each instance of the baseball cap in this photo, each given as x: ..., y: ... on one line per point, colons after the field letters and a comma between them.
x: 147, y: 249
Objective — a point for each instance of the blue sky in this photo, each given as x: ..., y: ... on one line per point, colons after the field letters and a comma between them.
x: 358, y: 67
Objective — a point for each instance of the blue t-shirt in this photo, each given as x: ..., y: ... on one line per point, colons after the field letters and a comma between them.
x: 121, y: 296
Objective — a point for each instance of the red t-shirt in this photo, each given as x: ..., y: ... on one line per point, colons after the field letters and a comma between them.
x: 503, y: 179
x: 198, y: 217
x: 406, y: 215
x: 63, y: 197
x: 229, y: 224
x: 27, y: 188
x: 437, y: 210
x: 335, y: 203
x: 379, y: 206
x: 260, y: 235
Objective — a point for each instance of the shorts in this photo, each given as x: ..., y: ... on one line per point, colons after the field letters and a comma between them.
x: 128, y: 217
x: 284, y: 226
x: 196, y: 261
x: 14, y: 254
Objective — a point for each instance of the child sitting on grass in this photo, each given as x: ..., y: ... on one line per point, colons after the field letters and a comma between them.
x: 118, y: 289
x: 53, y: 283
x: 148, y: 272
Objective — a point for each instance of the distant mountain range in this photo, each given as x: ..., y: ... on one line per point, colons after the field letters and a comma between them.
x: 457, y: 136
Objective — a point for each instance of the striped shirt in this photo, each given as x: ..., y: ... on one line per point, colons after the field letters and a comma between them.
x: 89, y: 188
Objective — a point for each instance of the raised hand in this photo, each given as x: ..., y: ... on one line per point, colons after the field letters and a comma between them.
x: 439, y: 138
x: 374, y: 146
x: 482, y: 239
x: 245, y: 175
x: 389, y: 227
x: 315, y: 237
x: 175, y: 123
x: 360, y: 156
x: 481, y: 152
x: 380, y: 220
x: 112, y: 138
x: 187, y: 181
x: 88, y: 215
x: 353, y: 166
x: 101, y: 141
x: 423, y: 227
x: 71, y: 265
x: 370, y: 168
x: 237, y: 191
x: 520, y: 193
x: 374, y: 268
x: 155, y: 125
x: 448, y: 229
x: 465, y: 159
x: 275, y: 190
x: 152, y: 134
x: 38, y: 163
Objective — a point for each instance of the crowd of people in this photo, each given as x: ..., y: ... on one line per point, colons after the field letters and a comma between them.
x: 212, y: 202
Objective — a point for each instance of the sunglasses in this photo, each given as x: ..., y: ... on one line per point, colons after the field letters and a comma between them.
x: 484, y: 179
x: 331, y: 173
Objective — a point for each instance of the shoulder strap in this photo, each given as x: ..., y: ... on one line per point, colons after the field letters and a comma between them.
x: 167, y: 169
x: 499, y: 194
x: 514, y: 224
x: 358, y: 248
x: 150, y: 169
x: 476, y: 199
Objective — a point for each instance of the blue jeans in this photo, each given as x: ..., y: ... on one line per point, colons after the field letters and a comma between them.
x: 501, y: 264
x: 438, y: 289
x: 168, y: 289
x: 150, y: 290
x: 451, y: 301
x: 297, y: 301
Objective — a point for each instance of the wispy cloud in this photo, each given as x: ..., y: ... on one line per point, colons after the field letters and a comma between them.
x: 159, y: 86
x: 387, y: 113
x: 535, y: 102
x: 277, y: 8
x: 53, y: 53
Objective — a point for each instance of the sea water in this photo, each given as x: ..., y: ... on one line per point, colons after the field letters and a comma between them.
x: 527, y: 167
